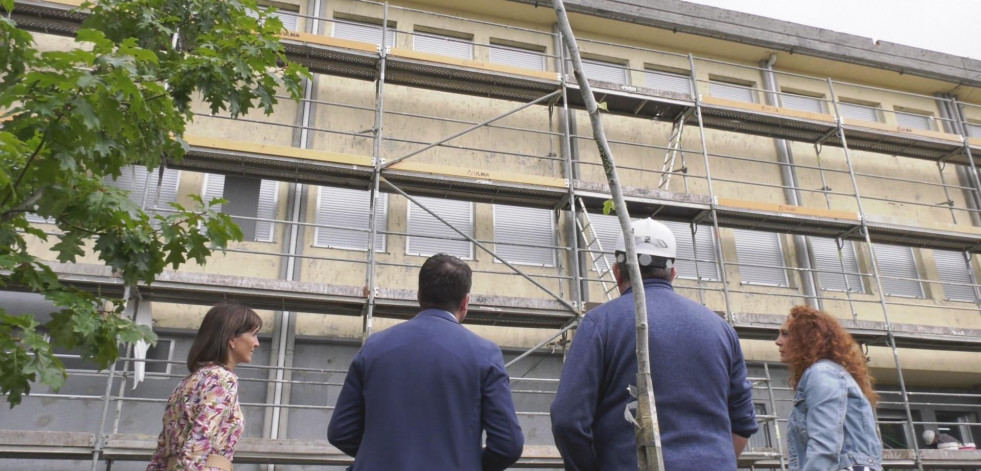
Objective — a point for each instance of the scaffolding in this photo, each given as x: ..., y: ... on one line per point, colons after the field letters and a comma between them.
x: 692, y: 185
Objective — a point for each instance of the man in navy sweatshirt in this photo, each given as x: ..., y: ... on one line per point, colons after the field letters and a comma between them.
x: 704, y: 402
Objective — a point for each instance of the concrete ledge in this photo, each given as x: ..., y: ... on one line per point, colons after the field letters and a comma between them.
x: 46, y: 445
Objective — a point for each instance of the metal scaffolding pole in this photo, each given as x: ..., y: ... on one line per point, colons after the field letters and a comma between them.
x: 369, y: 312
x: 713, y: 205
x: 875, y: 272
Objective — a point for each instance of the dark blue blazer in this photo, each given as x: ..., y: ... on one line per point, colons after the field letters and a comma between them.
x: 418, y: 397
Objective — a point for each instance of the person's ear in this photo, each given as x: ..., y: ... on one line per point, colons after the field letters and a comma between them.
x: 462, y: 309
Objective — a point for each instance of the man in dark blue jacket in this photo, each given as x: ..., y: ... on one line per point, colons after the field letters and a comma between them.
x: 419, y: 395
x: 704, y: 402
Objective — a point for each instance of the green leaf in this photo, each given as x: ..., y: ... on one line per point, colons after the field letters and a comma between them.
x: 609, y: 207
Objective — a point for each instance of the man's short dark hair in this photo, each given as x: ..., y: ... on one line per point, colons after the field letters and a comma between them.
x: 646, y: 271
x: 444, y: 281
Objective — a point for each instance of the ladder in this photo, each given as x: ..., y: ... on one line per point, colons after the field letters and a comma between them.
x: 674, y: 148
x: 594, y: 250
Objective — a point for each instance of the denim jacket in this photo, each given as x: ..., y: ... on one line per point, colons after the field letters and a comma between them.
x: 831, y: 426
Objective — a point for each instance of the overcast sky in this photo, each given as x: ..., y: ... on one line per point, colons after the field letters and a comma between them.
x: 951, y: 26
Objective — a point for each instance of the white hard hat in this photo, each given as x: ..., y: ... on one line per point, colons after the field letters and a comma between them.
x: 651, y: 238
x: 928, y: 436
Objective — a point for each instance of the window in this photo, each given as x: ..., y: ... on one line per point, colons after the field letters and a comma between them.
x: 958, y: 425
x: 603, y: 71
x: 760, y: 258
x: 250, y: 199
x: 607, y: 229
x: 668, y: 81
x: 528, y: 57
x: 706, y: 267
x: 972, y: 129
x: 836, y: 273
x: 914, y: 119
x: 733, y: 91
x: 897, y: 268
x: 428, y: 236
x: 159, y: 356
x: 893, y: 427
x: 346, y: 211
x: 530, y: 227
x: 859, y: 111
x: 287, y: 17
x: 364, y: 31
x: 797, y: 101
x: 459, y: 46
x: 955, y: 276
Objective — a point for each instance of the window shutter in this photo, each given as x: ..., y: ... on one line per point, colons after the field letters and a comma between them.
x: 858, y: 112
x: 706, y: 268
x: 421, y: 223
x: 955, y: 275
x: 602, y: 71
x: 214, y: 187
x: 347, y: 210
x: 268, y: 202
x: 801, y: 102
x: 443, y: 45
x: 829, y: 266
x: 134, y: 180
x: 898, y: 261
x: 761, y: 250
x: 667, y: 81
x: 517, y: 57
x: 364, y: 32
x: 913, y: 120
x: 731, y: 91
x: 526, y: 226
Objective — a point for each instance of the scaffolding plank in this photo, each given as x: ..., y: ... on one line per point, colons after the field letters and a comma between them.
x: 787, y: 209
x: 329, y: 41
x: 767, y: 109
x: 481, y: 174
x: 40, y: 444
x: 278, y: 151
x: 892, y: 128
x: 474, y: 64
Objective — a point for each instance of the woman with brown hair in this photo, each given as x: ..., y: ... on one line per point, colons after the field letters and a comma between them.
x: 831, y: 425
x: 203, y: 421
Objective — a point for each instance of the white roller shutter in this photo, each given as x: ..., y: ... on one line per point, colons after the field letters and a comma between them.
x: 346, y: 210
x: 530, y: 227
x: 602, y: 71
x: 421, y: 223
x: 731, y: 91
x: 913, y: 120
x: 268, y: 203
x: 852, y: 112
x: 364, y: 32
x: 955, y: 275
x: 760, y: 258
x: 802, y: 102
x: 829, y: 266
x: 706, y: 268
x: 897, y: 261
x: 667, y: 81
x: 214, y: 187
x: 442, y: 45
x: 134, y: 180
x: 517, y: 57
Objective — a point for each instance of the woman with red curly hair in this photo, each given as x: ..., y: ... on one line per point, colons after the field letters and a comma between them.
x: 831, y: 425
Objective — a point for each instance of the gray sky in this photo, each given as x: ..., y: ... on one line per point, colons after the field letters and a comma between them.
x: 949, y: 26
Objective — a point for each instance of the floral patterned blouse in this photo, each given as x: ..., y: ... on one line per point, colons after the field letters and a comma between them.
x: 202, y: 418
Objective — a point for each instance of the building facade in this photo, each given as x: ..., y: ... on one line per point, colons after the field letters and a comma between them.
x: 795, y: 165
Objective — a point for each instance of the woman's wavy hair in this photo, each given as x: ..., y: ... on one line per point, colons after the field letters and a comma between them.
x: 816, y: 335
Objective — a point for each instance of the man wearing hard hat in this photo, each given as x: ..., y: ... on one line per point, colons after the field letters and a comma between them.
x: 704, y: 402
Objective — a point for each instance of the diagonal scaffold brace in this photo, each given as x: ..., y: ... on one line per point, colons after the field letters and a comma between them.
x: 649, y: 454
